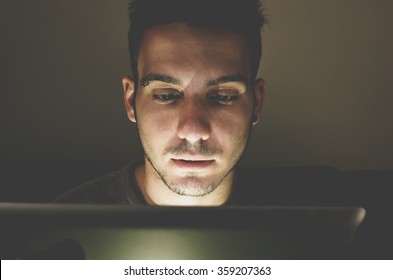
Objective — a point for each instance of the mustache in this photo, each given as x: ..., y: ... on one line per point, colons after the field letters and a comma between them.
x: 200, y: 148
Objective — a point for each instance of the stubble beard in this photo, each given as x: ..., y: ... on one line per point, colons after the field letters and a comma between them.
x: 191, y: 184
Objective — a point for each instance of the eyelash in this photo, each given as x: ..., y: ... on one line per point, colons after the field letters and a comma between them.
x: 215, y: 97
x: 223, y: 99
x: 166, y: 98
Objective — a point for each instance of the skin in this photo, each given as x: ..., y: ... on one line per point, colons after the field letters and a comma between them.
x: 194, y: 108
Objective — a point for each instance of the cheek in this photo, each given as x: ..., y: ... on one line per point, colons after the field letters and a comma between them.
x: 156, y: 126
x: 237, y: 118
x: 232, y: 127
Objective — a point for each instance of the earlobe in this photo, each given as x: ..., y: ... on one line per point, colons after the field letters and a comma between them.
x: 129, y: 95
x: 259, y: 92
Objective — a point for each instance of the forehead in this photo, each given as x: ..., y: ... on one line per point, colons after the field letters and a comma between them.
x: 177, y: 49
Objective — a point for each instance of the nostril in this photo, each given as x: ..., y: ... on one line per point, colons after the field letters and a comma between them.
x: 193, y: 130
x: 194, y: 122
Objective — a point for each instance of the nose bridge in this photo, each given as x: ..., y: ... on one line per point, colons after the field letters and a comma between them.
x: 194, y: 122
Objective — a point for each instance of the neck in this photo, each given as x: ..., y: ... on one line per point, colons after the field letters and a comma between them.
x: 156, y: 192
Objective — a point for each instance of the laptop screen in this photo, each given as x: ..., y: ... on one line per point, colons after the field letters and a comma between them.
x: 229, y: 232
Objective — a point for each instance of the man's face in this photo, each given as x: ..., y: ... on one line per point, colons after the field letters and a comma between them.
x: 194, y: 105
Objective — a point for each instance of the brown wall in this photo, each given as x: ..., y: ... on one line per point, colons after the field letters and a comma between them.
x: 328, y: 65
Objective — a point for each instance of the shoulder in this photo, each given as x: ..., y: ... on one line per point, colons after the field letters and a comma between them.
x: 117, y: 187
x: 286, y: 185
x: 312, y: 185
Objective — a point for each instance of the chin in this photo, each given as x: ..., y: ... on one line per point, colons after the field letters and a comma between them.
x: 193, y: 186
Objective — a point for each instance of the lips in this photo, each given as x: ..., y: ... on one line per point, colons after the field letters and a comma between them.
x: 192, y: 163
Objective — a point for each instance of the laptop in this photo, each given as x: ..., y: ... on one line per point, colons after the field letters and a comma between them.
x: 71, y: 231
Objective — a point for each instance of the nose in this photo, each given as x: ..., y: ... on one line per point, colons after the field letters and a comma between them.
x: 194, y: 123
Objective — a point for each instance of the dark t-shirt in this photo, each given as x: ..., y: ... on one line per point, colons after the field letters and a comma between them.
x: 118, y: 187
x: 253, y: 186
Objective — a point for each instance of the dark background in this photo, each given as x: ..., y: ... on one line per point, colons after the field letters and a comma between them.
x: 328, y: 66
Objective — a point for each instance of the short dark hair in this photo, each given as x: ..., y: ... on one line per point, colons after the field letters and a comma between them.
x: 244, y: 16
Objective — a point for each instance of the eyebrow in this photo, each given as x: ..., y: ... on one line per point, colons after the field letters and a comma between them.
x: 228, y: 79
x: 144, y: 82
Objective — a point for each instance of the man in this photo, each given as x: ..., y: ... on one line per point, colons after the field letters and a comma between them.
x: 194, y: 97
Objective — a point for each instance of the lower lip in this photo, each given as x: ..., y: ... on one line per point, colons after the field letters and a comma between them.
x: 192, y: 164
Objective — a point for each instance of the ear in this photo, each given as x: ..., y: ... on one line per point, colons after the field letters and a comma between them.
x: 129, y: 90
x: 259, y: 91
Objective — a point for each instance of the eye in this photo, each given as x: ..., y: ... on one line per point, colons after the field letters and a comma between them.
x: 166, y: 98
x: 225, y: 99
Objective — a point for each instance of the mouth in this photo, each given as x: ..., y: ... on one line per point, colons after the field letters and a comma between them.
x: 192, y: 163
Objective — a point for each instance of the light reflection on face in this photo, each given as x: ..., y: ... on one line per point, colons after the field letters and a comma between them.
x: 194, y: 105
